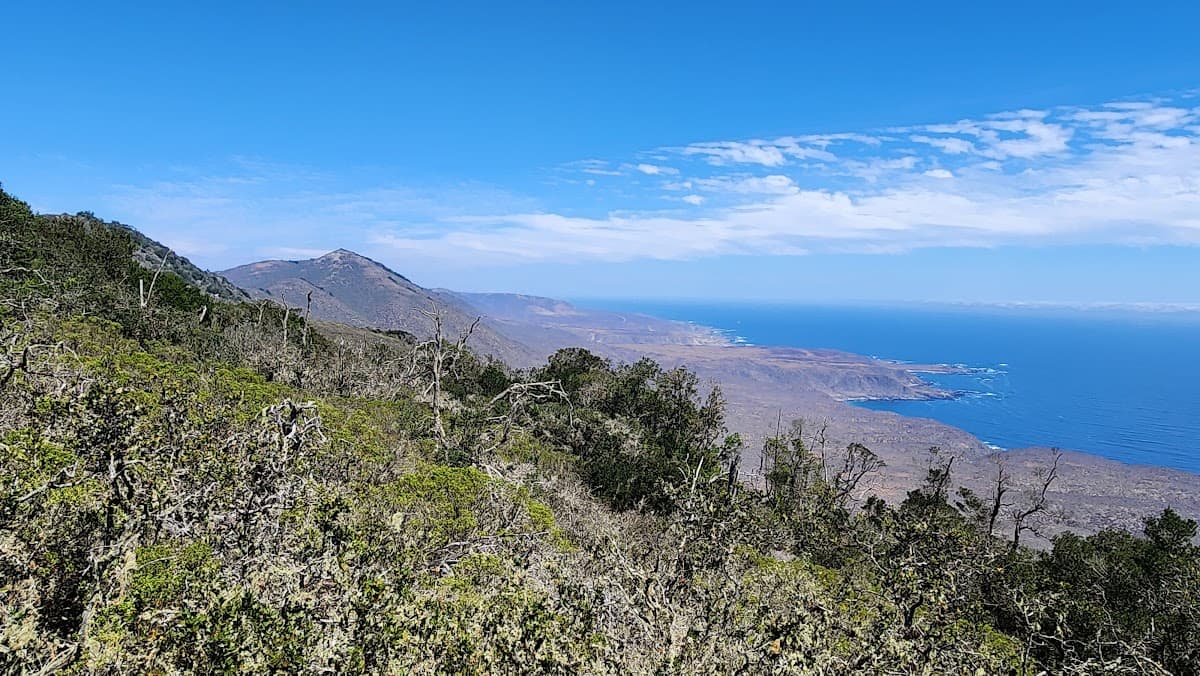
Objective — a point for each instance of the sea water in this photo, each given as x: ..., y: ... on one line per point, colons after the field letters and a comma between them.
x: 1124, y: 385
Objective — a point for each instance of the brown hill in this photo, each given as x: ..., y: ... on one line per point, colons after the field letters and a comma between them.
x: 353, y: 289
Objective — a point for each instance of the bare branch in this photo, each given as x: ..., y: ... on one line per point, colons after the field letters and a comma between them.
x: 441, y: 357
x: 144, y: 297
x: 1038, y: 502
x: 1000, y: 487
x: 307, y: 311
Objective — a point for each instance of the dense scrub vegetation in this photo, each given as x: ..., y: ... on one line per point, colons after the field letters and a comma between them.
x: 192, y: 485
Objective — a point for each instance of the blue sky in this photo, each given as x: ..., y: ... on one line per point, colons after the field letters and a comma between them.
x: 870, y: 151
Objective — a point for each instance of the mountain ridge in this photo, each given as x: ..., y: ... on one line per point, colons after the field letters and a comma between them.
x: 152, y: 254
x: 351, y: 288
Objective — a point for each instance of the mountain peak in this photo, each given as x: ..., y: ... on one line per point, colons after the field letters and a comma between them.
x: 345, y: 255
x: 350, y: 288
x: 345, y: 258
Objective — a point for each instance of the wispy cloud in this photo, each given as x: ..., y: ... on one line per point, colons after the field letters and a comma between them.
x: 655, y: 169
x: 951, y: 145
x: 878, y: 167
x: 595, y: 167
x: 1126, y: 172
x: 738, y: 152
x: 1023, y: 133
x: 247, y: 210
x: 773, y: 184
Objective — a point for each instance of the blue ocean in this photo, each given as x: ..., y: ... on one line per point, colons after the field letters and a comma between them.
x: 1124, y: 385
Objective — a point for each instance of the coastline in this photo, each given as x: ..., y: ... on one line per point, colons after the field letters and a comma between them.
x: 1059, y: 392
x: 827, y: 387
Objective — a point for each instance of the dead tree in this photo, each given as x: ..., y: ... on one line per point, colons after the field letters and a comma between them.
x: 820, y: 441
x: 441, y: 356
x: 144, y: 294
x: 858, y: 463
x: 937, y: 477
x: 1038, y: 502
x: 1000, y: 487
x: 287, y: 314
x: 307, y: 312
x: 517, y: 397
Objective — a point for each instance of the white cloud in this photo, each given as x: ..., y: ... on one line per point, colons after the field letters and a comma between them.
x: 1036, y: 138
x: 1021, y: 134
x: 272, y: 210
x: 950, y: 145
x: 1121, y: 173
x: 735, y: 152
x: 1020, y: 177
x: 823, y: 140
x: 802, y: 149
x: 872, y: 170
x: 773, y: 184
x: 655, y: 170
x: 594, y: 167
